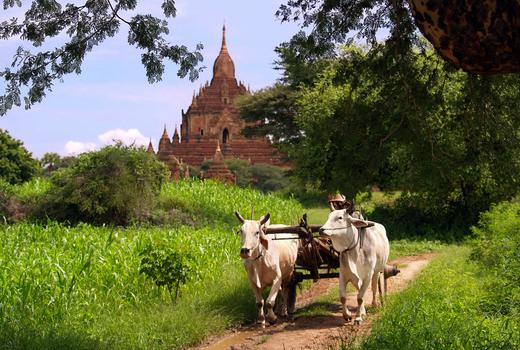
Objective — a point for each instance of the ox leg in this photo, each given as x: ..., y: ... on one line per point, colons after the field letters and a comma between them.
x: 361, y: 305
x: 291, y: 297
x: 277, y: 283
x: 375, y: 282
x: 343, y: 296
x: 259, y: 306
x: 279, y: 304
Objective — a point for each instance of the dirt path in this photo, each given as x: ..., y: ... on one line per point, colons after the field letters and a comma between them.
x: 316, y: 332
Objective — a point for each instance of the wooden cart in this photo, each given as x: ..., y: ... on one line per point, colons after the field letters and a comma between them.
x: 316, y: 257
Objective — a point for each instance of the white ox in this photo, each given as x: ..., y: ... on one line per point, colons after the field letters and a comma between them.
x: 268, y: 263
x: 363, y: 255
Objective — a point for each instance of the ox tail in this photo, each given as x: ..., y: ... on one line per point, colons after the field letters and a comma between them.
x: 380, y: 289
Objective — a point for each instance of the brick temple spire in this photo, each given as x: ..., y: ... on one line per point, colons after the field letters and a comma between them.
x: 164, y: 142
x: 224, y: 66
x: 218, y: 170
x: 150, y: 148
x: 175, y: 139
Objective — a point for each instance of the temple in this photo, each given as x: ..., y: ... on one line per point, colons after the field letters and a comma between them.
x: 212, y: 122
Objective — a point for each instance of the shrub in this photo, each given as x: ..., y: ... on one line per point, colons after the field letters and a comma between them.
x: 264, y: 177
x: 22, y: 201
x: 417, y: 215
x: 268, y: 178
x: 168, y: 268
x: 113, y: 185
x: 496, y: 248
x: 242, y: 170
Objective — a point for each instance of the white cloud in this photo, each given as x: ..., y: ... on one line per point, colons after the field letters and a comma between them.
x: 127, y: 137
x: 76, y: 147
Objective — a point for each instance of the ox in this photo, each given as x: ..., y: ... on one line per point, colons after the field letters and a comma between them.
x: 268, y: 263
x: 364, y: 252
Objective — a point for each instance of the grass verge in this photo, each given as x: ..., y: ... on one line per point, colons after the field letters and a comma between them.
x: 442, y: 310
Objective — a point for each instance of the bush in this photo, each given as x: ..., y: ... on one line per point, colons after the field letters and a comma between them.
x: 113, y: 185
x: 417, y: 215
x: 268, y: 178
x: 22, y: 201
x: 264, y: 177
x: 242, y: 170
x: 169, y: 268
x: 497, y: 248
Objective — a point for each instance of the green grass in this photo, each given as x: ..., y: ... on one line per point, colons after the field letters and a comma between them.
x: 210, y: 201
x: 442, y: 310
x: 317, y: 216
x: 80, y: 287
x: 409, y: 247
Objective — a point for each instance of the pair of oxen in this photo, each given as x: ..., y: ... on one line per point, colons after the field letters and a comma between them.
x: 363, y: 248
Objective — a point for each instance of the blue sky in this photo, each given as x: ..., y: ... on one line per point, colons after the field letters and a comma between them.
x: 112, y: 97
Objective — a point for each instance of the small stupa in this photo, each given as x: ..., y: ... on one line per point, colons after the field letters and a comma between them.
x: 218, y: 170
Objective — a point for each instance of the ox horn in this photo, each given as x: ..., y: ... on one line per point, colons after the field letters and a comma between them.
x: 331, y: 206
x: 265, y: 219
x: 239, y: 217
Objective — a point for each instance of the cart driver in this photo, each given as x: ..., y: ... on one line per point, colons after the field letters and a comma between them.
x: 338, y: 201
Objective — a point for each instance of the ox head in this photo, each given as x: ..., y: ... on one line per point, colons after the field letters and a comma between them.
x: 340, y: 226
x: 252, y: 236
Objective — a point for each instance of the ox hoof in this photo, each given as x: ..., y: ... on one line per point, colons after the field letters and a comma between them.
x: 358, y: 321
x: 272, y: 320
x: 347, y: 317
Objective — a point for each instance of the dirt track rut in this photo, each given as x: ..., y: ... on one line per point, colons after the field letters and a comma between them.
x: 316, y: 332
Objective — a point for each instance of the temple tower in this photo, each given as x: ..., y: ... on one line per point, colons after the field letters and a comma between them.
x: 212, y: 121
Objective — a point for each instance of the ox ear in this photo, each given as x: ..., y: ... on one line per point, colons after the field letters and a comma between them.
x: 264, y: 242
x: 264, y: 219
x: 239, y: 217
x: 357, y: 222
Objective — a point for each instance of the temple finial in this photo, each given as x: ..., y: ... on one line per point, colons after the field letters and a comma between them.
x: 165, y: 133
x: 224, y: 46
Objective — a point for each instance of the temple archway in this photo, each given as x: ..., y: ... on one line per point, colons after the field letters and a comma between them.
x: 225, y: 135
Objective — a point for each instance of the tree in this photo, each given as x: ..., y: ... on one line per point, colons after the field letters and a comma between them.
x: 16, y: 163
x: 393, y: 112
x: 274, y: 110
x: 53, y: 161
x: 86, y: 25
x: 449, y: 139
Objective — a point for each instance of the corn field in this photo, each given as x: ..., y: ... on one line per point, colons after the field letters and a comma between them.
x: 80, y: 287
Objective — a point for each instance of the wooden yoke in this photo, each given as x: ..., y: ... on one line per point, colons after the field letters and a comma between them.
x: 315, y: 253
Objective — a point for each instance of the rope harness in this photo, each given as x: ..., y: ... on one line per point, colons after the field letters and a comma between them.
x: 360, y: 236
